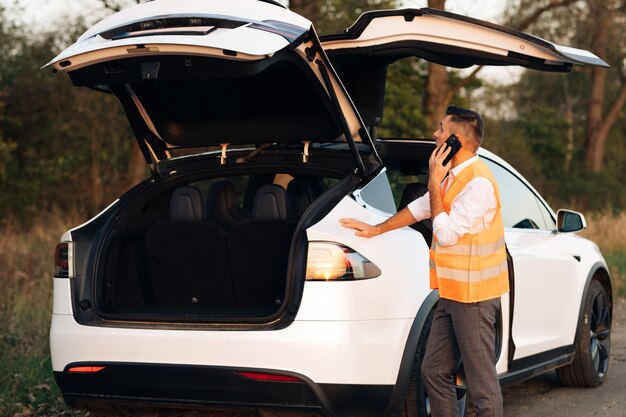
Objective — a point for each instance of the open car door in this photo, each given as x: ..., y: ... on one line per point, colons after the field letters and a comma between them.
x: 362, y: 52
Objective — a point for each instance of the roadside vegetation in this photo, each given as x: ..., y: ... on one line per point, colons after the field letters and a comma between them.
x: 27, y: 386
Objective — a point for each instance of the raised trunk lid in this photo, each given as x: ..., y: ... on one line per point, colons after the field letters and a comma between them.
x: 213, y: 72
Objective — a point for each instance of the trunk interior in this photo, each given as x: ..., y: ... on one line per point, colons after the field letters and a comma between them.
x: 217, y: 247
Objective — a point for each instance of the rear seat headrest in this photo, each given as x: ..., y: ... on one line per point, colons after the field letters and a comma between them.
x: 186, y: 205
x: 222, y: 205
x: 300, y: 193
x: 270, y: 203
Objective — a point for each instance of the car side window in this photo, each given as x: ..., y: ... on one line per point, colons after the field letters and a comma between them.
x: 377, y: 194
x: 521, y: 209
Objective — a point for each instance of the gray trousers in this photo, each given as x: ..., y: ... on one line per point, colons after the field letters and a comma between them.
x: 465, y: 331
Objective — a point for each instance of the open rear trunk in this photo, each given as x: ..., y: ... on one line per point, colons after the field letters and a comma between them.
x: 215, y: 248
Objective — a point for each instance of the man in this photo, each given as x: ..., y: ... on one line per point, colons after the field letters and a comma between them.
x: 468, y: 266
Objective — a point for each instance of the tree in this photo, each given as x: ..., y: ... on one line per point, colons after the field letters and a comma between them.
x: 311, y: 9
x: 598, y: 26
x: 602, y: 19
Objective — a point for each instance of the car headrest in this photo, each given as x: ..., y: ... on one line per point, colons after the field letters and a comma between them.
x: 270, y: 203
x: 186, y: 205
x: 412, y: 192
x: 222, y: 204
x: 300, y: 193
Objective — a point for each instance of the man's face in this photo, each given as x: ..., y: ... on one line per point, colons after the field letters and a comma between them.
x: 446, y: 128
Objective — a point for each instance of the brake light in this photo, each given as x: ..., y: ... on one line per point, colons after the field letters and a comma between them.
x: 86, y: 369
x: 64, y: 260
x: 328, y: 261
x: 268, y: 377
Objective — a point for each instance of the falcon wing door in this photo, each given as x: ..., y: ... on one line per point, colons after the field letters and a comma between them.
x: 362, y: 52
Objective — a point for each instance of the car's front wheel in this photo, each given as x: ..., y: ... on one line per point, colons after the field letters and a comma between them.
x: 416, y: 403
x: 591, y: 360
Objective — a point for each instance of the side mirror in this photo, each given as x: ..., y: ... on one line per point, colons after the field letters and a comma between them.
x: 568, y: 221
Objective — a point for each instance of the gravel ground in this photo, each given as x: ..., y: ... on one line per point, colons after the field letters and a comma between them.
x: 544, y: 396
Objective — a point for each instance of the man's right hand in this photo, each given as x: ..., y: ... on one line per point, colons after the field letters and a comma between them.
x: 362, y: 229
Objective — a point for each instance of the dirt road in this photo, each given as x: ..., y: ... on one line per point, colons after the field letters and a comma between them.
x: 544, y: 396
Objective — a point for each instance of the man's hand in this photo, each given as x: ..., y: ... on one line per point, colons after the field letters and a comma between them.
x: 362, y: 229
x: 437, y: 171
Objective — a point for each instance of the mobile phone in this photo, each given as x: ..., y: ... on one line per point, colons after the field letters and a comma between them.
x: 454, y: 143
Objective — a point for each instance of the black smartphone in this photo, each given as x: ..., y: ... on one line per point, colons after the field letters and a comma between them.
x: 454, y: 143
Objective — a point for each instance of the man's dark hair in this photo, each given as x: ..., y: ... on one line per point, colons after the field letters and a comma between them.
x: 469, y: 119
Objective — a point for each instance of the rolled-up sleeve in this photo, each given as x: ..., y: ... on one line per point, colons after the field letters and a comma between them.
x: 472, y: 211
x: 420, y: 207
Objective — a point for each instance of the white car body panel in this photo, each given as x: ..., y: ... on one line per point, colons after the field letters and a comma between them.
x: 246, y: 10
x: 62, y: 297
x: 549, y: 285
x: 397, y: 293
x: 548, y: 289
x: 249, y: 43
x: 470, y: 34
x: 335, y: 351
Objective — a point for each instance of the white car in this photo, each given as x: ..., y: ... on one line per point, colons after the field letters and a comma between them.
x: 225, y: 278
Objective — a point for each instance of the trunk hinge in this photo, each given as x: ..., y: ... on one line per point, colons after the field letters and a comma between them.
x: 305, y: 152
x: 223, y: 154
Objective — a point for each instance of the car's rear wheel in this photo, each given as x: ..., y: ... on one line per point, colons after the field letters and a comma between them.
x: 591, y: 360
x: 416, y: 403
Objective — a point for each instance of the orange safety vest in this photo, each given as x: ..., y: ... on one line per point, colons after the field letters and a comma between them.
x: 475, y: 268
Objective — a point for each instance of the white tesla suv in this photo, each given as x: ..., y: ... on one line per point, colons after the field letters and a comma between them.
x: 225, y: 279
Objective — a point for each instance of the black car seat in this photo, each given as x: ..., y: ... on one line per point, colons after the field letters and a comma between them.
x: 413, y: 191
x: 187, y: 256
x: 222, y: 205
x: 300, y: 195
x: 259, y: 250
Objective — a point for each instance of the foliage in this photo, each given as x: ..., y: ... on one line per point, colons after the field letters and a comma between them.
x: 404, y: 114
x: 551, y: 111
x: 337, y: 15
x: 59, y: 146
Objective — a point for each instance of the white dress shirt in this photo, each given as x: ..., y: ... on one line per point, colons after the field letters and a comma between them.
x: 472, y: 211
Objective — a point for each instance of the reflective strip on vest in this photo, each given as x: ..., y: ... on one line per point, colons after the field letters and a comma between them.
x: 472, y: 276
x: 484, y: 249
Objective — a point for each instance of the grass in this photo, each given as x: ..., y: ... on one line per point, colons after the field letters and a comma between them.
x: 608, y: 230
x: 27, y: 388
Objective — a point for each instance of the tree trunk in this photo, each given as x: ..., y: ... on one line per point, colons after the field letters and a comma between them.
x: 594, y: 148
x: 437, y: 85
x: 310, y: 9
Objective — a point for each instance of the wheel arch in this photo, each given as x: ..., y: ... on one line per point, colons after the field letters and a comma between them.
x: 408, y: 357
x: 599, y: 273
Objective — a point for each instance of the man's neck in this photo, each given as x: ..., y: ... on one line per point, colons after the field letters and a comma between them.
x: 461, y: 157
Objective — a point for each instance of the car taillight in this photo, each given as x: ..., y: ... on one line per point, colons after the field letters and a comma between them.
x: 86, y: 369
x: 268, y: 377
x: 64, y: 260
x: 327, y: 261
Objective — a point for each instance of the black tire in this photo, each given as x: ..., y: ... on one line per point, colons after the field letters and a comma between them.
x: 591, y: 359
x: 416, y: 403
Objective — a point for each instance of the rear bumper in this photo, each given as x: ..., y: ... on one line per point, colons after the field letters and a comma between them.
x: 165, y: 385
